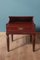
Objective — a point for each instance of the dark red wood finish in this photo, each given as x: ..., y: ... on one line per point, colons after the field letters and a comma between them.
x: 18, y: 27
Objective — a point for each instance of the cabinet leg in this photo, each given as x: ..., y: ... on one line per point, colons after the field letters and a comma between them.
x: 30, y: 38
x: 8, y: 43
x: 33, y: 40
x: 12, y: 36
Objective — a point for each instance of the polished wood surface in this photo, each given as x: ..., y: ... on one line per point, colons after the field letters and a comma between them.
x: 20, y: 25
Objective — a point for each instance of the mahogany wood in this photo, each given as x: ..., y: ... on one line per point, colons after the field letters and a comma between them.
x: 20, y: 25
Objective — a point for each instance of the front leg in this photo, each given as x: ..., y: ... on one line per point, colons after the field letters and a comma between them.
x: 8, y: 42
x: 33, y: 41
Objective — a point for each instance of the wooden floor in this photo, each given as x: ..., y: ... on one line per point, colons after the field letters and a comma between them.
x: 20, y: 49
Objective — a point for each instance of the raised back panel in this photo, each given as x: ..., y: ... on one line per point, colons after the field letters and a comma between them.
x: 20, y: 19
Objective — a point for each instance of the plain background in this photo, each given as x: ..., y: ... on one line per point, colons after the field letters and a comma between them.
x: 19, y: 8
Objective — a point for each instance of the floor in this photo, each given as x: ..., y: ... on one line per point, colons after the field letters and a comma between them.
x: 20, y: 48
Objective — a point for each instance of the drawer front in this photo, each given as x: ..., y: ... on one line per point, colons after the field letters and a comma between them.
x: 19, y: 29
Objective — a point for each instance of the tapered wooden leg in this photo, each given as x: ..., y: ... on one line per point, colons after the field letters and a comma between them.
x: 7, y: 42
x: 12, y: 36
x: 30, y: 38
x: 33, y: 40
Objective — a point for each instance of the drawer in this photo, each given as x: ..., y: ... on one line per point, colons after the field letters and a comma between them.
x: 19, y: 29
